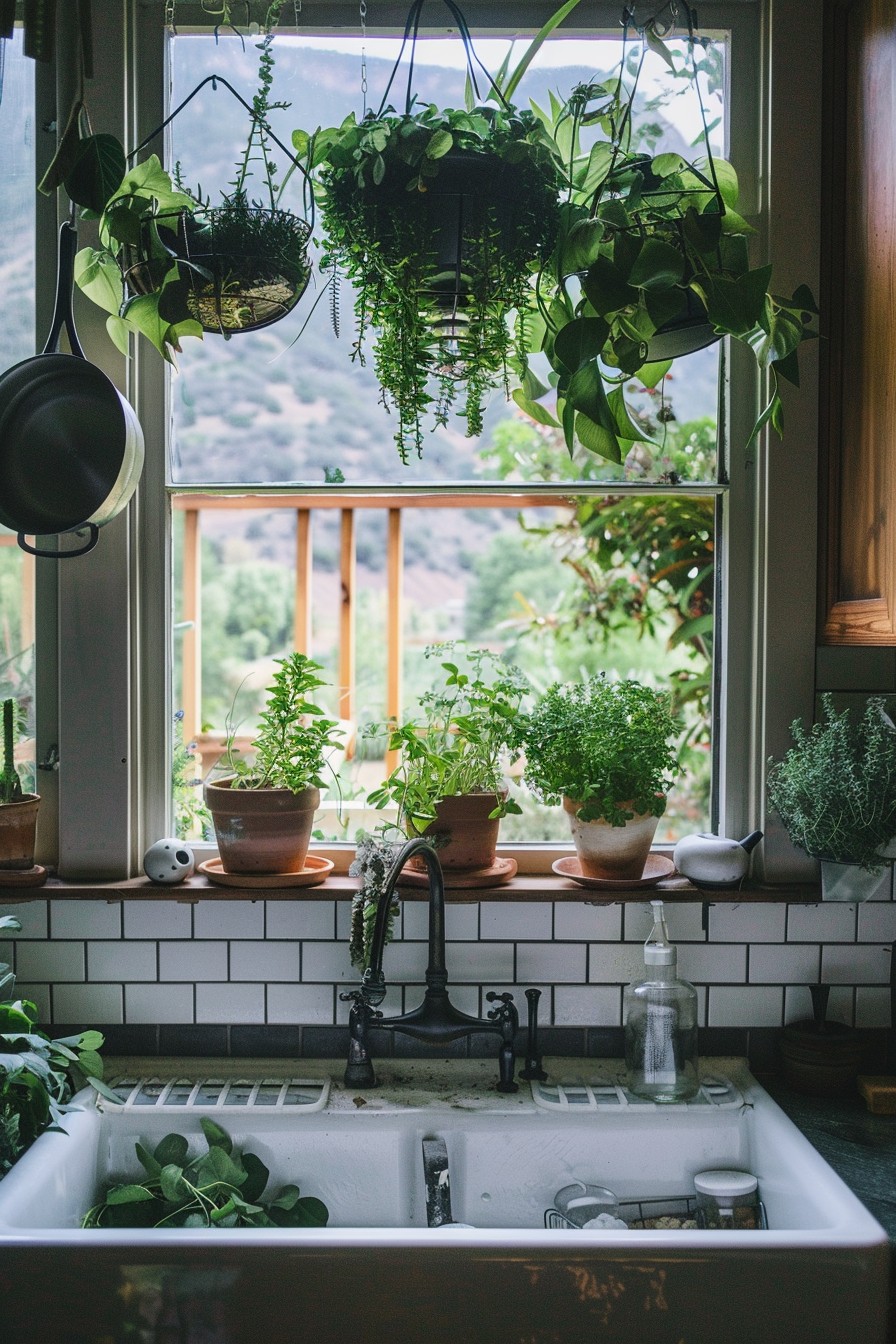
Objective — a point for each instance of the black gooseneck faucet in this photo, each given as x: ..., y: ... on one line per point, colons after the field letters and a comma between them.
x: 435, y: 1020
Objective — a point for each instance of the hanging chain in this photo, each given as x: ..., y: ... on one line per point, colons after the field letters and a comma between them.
x: 170, y: 6
x: 362, y: 11
x: 297, y: 10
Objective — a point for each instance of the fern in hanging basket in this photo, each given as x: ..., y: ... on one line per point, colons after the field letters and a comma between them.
x: 439, y: 218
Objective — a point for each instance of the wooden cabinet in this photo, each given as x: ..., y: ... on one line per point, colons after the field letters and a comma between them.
x: 858, y: 326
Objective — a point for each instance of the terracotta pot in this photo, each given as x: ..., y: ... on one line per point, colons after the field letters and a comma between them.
x: 611, y: 852
x: 470, y: 836
x: 18, y: 823
x: 261, y: 830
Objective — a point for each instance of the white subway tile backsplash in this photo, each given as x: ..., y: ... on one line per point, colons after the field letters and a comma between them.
x: 782, y: 964
x: 228, y: 919
x: 745, y: 923
x: 587, y: 1006
x: 266, y: 961
x: 85, y: 919
x: 300, y: 1003
x: 122, y: 961
x: 192, y: 961
x: 157, y: 919
x: 87, y: 1004
x: 51, y: 961
x: 486, y: 964
x: 230, y: 1003
x: 590, y: 923
x: 829, y: 923
x: 554, y: 963
x: 158, y: 1003
x: 330, y: 963
x: 744, y: 1006
x: 798, y: 1005
x: 684, y: 920
x: 615, y: 963
x: 516, y: 921
x: 705, y: 964
x: 877, y: 922
x: 301, y: 919
x: 40, y: 997
x: 33, y: 917
x: 852, y: 965
x: 461, y: 921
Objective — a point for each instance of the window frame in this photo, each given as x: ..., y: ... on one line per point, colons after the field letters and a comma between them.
x: 103, y: 622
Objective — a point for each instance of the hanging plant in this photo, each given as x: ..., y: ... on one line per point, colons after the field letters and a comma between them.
x: 169, y: 262
x: 651, y: 263
x: 439, y: 218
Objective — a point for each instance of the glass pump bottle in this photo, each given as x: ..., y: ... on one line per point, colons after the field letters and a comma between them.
x: 660, y: 1014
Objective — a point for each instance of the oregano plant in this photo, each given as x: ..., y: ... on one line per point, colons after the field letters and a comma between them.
x: 294, y: 735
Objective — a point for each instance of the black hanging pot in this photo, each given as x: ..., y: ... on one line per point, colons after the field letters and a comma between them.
x: 687, y: 332
x: 71, y: 447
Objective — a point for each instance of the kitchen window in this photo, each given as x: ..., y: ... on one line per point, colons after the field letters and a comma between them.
x: 121, y: 670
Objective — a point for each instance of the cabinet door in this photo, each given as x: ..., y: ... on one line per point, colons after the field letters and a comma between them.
x: 858, y: 412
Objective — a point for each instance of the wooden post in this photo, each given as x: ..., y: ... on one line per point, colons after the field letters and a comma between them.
x: 191, y: 648
x: 347, y: 618
x: 394, y: 622
x: 301, y: 636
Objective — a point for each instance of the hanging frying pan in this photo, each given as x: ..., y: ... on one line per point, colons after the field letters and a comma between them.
x: 71, y: 447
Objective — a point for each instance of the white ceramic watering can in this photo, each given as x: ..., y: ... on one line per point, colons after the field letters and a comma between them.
x: 715, y: 861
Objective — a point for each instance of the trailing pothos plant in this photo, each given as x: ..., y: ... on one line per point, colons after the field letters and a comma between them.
x: 436, y: 284
x: 461, y: 740
x: 652, y: 260
x: 221, y: 1187
x: 38, y: 1076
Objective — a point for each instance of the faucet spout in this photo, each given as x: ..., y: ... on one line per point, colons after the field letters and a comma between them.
x: 435, y: 1020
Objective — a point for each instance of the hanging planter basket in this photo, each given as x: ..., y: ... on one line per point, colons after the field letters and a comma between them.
x: 241, y: 267
x: 440, y: 219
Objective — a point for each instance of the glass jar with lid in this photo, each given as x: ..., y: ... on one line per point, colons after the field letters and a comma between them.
x: 727, y: 1200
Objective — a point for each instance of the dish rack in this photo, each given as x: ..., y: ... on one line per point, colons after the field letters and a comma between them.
x: 294, y: 1095
x: 640, y: 1211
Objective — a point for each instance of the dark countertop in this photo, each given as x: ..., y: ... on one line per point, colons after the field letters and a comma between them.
x: 861, y: 1147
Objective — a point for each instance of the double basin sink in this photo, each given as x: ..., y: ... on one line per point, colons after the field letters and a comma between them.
x: 818, y: 1270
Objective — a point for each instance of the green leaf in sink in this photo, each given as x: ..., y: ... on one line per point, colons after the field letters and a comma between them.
x: 220, y: 1187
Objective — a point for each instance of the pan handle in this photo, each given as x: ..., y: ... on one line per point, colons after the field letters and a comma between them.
x: 63, y: 555
x: 63, y: 317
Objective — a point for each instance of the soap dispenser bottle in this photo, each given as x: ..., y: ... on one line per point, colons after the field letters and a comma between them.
x: 660, y: 1014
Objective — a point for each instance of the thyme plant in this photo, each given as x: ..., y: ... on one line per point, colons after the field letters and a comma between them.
x: 835, y: 788
x: 604, y: 744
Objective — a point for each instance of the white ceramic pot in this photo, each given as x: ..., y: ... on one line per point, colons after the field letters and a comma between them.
x: 611, y: 852
x: 714, y: 861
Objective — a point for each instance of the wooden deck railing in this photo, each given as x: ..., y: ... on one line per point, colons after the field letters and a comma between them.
x: 193, y: 505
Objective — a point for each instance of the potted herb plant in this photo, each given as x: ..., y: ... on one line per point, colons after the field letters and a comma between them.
x: 604, y: 749
x: 450, y: 784
x: 263, y: 812
x: 438, y: 217
x: 835, y: 792
x: 18, y: 810
x: 651, y: 263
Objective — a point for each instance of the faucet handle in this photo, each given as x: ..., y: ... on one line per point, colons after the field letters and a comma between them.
x: 506, y: 1010
x: 362, y: 1003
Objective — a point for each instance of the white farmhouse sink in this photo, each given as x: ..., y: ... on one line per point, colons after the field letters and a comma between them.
x: 819, y: 1271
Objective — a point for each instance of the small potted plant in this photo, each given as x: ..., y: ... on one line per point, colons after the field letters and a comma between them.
x: 18, y: 810
x: 438, y: 217
x: 835, y: 792
x: 604, y: 749
x: 450, y: 783
x: 263, y: 812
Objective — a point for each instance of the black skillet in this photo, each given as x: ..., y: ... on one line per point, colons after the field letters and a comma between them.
x: 71, y: 447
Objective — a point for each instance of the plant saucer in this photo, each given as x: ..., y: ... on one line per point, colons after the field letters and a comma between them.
x: 23, y: 877
x: 656, y: 868
x: 502, y: 870
x: 315, y: 870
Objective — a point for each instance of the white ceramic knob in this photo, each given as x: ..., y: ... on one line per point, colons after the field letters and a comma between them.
x: 168, y: 861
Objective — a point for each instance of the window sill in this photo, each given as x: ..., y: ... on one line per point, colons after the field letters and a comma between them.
x: 340, y: 887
